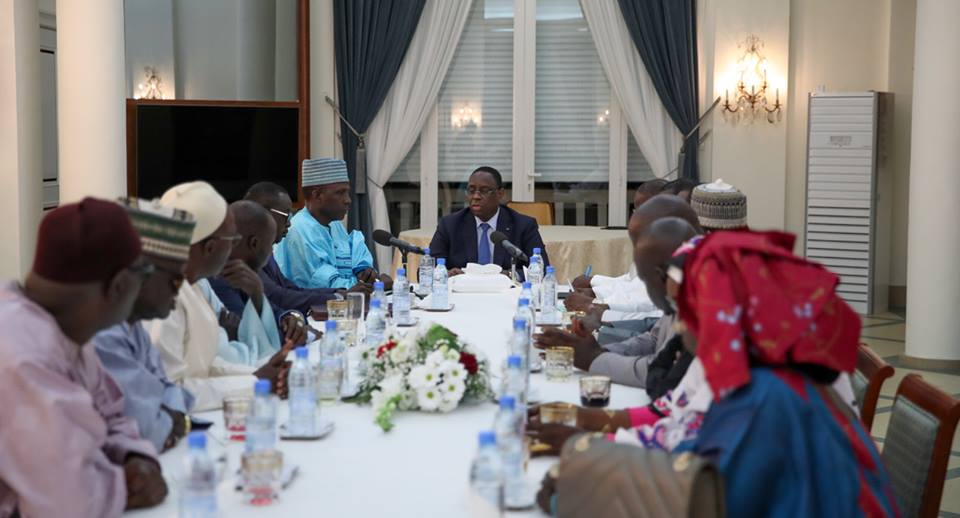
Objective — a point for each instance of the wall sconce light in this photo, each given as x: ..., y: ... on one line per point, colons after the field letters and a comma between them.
x: 150, y: 88
x: 465, y: 115
x: 603, y: 118
x: 750, y: 97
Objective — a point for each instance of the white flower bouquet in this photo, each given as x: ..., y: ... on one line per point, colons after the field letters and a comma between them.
x: 430, y: 369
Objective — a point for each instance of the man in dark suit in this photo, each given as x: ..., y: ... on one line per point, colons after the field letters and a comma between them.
x: 464, y: 236
x: 280, y: 291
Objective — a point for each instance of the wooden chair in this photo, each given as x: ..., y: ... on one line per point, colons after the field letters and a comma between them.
x: 867, y: 380
x: 541, y: 211
x: 917, y: 446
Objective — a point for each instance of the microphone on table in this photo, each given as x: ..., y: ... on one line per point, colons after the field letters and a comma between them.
x: 500, y: 239
x: 382, y: 237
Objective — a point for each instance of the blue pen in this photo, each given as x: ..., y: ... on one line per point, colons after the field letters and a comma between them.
x: 588, y: 271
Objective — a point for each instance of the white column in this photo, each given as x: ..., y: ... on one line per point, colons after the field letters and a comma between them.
x: 91, y: 92
x: 21, y: 176
x: 933, y: 257
x: 524, y: 90
x: 324, y: 125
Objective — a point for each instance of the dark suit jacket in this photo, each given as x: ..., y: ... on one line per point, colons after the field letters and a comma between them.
x: 283, y: 293
x: 456, y: 238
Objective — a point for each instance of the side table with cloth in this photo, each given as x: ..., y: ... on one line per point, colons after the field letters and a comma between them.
x: 571, y: 249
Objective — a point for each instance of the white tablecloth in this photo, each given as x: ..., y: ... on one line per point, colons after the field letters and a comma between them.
x: 419, y: 469
x: 570, y: 248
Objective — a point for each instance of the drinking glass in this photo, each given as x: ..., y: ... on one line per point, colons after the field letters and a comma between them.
x: 338, y: 310
x: 558, y: 413
x: 261, y: 472
x: 357, y: 304
x: 559, y: 364
x: 235, y: 410
x: 595, y: 391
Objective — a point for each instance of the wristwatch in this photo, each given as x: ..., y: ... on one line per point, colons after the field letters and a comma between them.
x: 187, y: 424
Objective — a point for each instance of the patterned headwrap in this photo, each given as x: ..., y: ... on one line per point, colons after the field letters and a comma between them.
x: 745, y: 295
x: 164, y: 231
x: 323, y: 171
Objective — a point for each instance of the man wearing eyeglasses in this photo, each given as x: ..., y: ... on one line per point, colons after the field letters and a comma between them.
x: 281, y: 291
x: 67, y: 449
x: 465, y: 236
x: 195, y: 346
x: 159, y: 405
x: 318, y: 252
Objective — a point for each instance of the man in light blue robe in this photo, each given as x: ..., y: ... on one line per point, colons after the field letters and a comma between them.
x: 158, y: 405
x: 318, y: 252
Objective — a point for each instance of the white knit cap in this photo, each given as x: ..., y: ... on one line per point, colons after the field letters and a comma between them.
x: 203, y: 201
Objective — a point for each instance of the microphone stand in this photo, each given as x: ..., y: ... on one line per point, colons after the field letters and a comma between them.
x: 513, y: 270
x: 403, y: 259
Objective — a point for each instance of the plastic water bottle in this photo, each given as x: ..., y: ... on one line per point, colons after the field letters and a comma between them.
x: 526, y: 290
x: 378, y: 293
x: 438, y: 292
x: 509, y: 425
x: 535, y: 276
x: 401, y: 298
x: 525, y: 312
x: 303, y: 396
x: 486, y: 473
x: 425, y: 274
x: 376, y: 323
x: 520, y: 346
x: 548, y: 305
x: 515, y: 381
x: 262, y: 421
x: 330, y: 377
x: 198, y: 496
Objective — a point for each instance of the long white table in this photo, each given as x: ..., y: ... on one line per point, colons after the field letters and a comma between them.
x: 419, y: 469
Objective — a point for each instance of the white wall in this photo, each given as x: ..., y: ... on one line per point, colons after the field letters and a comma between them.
x: 750, y: 156
x: 20, y: 159
x: 148, y: 42
x: 324, y: 127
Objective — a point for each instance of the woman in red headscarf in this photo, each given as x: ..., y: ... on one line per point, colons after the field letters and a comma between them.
x: 772, y: 335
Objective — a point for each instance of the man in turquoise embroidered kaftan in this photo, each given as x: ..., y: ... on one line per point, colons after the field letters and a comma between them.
x: 318, y: 252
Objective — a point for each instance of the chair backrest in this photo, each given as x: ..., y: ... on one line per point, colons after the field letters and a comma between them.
x: 867, y: 380
x: 541, y: 211
x: 917, y: 445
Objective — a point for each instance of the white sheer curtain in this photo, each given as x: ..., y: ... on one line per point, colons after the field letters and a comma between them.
x: 656, y: 135
x: 412, y: 97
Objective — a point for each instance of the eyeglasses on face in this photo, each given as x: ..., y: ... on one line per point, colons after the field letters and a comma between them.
x: 484, y: 192
x: 143, y: 270
x: 232, y: 239
x: 285, y: 215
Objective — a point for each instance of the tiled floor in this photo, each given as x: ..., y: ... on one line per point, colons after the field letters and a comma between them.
x: 885, y: 335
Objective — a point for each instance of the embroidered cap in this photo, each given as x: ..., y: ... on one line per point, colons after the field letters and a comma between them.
x: 323, y: 171
x: 200, y: 199
x: 165, y: 232
x: 719, y: 206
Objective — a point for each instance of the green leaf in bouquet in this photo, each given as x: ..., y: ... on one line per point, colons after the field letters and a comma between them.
x: 436, y: 333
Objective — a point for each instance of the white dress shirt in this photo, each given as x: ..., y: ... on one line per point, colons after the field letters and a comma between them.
x: 493, y: 227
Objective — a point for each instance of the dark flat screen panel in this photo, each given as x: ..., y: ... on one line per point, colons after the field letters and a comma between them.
x: 232, y: 147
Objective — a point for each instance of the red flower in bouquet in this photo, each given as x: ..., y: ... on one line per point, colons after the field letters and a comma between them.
x: 385, y: 347
x: 469, y: 362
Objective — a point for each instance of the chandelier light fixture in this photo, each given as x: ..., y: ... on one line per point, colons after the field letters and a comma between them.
x: 150, y: 87
x: 750, y: 94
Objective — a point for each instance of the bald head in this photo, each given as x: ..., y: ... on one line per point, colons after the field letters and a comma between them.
x: 654, y: 249
x: 661, y: 206
x: 257, y: 230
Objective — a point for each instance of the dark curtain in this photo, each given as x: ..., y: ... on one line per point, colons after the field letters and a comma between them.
x: 665, y: 33
x: 371, y: 37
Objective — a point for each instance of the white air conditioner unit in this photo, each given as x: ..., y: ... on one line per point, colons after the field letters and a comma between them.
x: 848, y: 193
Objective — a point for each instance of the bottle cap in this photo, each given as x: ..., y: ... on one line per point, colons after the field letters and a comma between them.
x: 375, y: 304
x: 534, y: 260
x: 441, y: 262
x: 401, y: 272
x: 426, y: 251
x: 302, y: 352
x: 514, y: 361
x: 536, y: 251
x: 523, y: 302
x: 488, y: 438
x: 507, y: 403
x: 378, y: 285
x: 331, y: 325
x: 550, y: 269
x: 261, y: 387
x: 527, y: 285
x: 197, y: 440
x: 520, y: 323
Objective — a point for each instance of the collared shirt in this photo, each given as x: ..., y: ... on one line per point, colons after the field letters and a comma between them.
x: 130, y: 357
x: 63, y: 435
x: 493, y: 227
x: 321, y: 256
